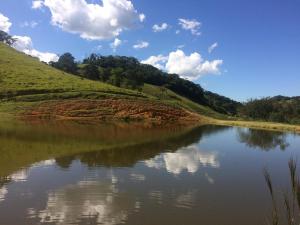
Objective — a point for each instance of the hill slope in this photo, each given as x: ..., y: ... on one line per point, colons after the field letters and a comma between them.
x: 27, y: 86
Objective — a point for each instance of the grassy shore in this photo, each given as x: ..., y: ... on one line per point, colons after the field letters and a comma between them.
x: 258, y: 125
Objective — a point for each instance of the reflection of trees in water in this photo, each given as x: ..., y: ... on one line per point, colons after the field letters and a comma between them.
x: 128, y: 156
x: 265, y: 140
x: 64, y: 162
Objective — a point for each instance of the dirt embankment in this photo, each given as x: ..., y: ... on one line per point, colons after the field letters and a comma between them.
x: 109, y: 110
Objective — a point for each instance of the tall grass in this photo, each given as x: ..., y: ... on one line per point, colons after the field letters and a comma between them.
x: 291, y: 199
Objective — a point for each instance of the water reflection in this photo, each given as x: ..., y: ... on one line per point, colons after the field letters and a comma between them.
x: 25, y: 146
x: 189, y: 159
x: 93, y: 202
x: 186, y: 200
x: 262, y: 139
x: 181, y: 175
x: 3, y: 192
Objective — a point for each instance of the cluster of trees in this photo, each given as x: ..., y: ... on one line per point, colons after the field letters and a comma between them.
x: 128, y: 72
x: 6, y: 38
x: 275, y: 109
x: 222, y: 104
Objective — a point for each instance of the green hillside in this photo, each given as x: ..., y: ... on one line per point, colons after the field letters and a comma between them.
x: 24, y: 75
x: 24, y: 81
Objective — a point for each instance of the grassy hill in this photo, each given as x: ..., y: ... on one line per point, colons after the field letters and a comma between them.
x: 23, y: 75
x: 25, y: 83
x: 33, y: 89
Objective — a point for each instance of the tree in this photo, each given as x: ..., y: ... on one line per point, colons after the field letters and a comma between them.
x: 116, y: 77
x: 6, y: 38
x: 104, y: 74
x: 91, y: 71
x: 66, y: 62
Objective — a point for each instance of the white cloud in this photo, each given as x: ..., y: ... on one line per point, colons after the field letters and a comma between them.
x: 37, y: 4
x: 142, y: 17
x: 156, y: 61
x: 31, y: 24
x: 114, y: 45
x: 188, y: 159
x: 24, y: 44
x: 212, y: 47
x: 5, y: 24
x: 191, y: 25
x: 141, y: 44
x: 94, y: 21
x: 159, y: 28
x: 192, y: 66
x: 189, y: 67
x: 177, y: 32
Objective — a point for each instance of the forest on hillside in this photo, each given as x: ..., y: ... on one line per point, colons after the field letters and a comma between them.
x: 128, y: 72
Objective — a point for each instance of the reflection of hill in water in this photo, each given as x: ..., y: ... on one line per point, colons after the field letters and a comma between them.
x: 22, y: 146
x: 128, y: 156
x: 262, y: 139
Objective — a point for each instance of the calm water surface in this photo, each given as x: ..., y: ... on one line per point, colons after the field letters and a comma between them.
x: 132, y: 174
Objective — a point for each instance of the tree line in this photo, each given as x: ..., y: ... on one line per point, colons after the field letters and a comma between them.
x: 128, y: 72
x: 275, y: 109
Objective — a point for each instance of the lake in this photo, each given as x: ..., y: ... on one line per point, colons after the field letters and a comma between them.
x: 78, y: 173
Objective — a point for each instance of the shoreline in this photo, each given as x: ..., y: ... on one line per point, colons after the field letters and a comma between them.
x: 143, y: 112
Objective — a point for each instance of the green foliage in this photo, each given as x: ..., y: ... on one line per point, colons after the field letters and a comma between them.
x: 21, y: 75
x: 66, y: 62
x: 167, y: 96
x: 25, y: 81
x: 91, y: 72
x: 276, y: 109
x: 128, y: 72
x: 222, y: 104
x: 6, y: 38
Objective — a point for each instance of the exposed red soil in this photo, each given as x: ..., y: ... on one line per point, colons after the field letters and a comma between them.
x: 110, y: 109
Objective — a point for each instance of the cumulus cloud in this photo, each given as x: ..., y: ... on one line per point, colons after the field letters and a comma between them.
x: 159, y: 28
x: 190, y: 67
x: 141, y: 44
x: 114, y: 45
x: 5, y: 24
x: 37, y: 4
x: 93, y: 21
x: 191, y: 25
x: 24, y: 44
x: 156, y: 61
x: 212, y: 47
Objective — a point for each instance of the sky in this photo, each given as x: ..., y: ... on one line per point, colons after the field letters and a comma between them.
x: 237, y: 48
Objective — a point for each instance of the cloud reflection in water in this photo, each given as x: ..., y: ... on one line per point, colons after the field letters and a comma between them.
x: 189, y: 158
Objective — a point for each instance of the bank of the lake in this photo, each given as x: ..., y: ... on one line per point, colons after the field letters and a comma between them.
x: 119, y: 110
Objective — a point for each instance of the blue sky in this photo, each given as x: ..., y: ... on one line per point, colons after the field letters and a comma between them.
x: 257, y: 42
